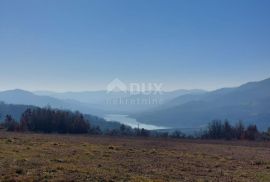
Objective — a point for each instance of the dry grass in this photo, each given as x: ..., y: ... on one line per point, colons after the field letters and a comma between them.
x: 37, y: 157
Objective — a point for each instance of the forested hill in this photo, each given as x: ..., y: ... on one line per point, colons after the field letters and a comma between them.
x: 12, y: 109
x: 249, y: 102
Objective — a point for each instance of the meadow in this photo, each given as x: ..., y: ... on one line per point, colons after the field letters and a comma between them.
x: 44, y: 157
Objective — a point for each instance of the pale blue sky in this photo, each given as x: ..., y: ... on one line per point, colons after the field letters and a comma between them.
x: 73, y: 45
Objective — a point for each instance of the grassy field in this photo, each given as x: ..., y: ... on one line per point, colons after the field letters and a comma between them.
x: 37, y: 157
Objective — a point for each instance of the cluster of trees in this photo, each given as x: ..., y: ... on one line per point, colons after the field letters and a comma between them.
x: 49, y: 120
x: 224, y: 130
x: 216, y: 130
x: 124, y: 130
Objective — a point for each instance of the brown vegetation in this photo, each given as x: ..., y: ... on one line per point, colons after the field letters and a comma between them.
x: 40, y: 157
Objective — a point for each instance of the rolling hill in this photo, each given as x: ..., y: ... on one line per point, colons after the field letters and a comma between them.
x: 28, y: 98
x: 120, y: 102
x: 11, y: 109
x: 16, y: 111
x: 249, y: 102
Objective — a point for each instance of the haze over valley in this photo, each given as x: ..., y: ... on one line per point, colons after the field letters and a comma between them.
x: 180, y: 109
x: 135, y: 90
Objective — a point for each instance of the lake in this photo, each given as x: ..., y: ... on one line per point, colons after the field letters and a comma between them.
x: 125, y: 119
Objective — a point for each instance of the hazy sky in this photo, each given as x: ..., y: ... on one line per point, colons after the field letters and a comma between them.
x: 84, y: 44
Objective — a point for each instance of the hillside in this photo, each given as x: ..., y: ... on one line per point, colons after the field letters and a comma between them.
x: 120, y: 102
x: 249, y: 102
x: 16, y: 111
x: 11, y: 109
x: 28, y: 98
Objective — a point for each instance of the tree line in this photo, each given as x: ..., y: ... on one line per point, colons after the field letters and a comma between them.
x: 47, y: 120
x: 224, y: 130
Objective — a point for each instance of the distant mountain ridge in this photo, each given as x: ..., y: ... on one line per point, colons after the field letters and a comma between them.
x: 97, y: 97
x: 23, y: 97
x: 120, y: 102
x: 249, y: 102
x: 97, y: 103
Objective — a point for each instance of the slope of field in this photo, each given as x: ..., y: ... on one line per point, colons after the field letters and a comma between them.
x: 37, y: 157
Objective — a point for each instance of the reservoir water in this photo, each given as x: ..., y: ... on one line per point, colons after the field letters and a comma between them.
x: 132, y: 122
